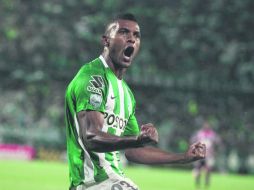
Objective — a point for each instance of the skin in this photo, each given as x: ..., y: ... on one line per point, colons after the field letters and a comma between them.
x: 123, y: 34
x: 118, y: 36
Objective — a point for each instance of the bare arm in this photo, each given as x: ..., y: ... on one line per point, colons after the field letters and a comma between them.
x: 91, y: 123
x: 152, y: 155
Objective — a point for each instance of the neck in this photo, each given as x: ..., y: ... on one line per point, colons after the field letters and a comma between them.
x: 118, y: 71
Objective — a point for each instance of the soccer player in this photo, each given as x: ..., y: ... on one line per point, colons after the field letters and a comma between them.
x: 100, y: 117
x: 210, y: 138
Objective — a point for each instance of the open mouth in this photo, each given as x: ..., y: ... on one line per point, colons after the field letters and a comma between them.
x: 128, y: 51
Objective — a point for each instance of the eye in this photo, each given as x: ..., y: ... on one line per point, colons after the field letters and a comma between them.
x: 137, y: 34
x: 123, y: 31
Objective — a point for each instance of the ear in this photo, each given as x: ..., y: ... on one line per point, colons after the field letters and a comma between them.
x: 105, y: 41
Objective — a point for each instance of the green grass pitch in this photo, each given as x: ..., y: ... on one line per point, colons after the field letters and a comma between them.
x: 42, y: 175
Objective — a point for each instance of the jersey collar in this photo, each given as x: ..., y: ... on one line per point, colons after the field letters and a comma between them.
x: 103, y: 61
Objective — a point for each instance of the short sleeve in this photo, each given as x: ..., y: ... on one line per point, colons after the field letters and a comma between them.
x: 132, y: 127
x: 89, y: 93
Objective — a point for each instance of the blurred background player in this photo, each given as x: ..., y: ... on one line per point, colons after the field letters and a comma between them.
x: 211, y: 139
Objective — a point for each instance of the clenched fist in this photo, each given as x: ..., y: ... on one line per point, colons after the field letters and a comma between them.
x: 148, y: 135
x: 196, y: 151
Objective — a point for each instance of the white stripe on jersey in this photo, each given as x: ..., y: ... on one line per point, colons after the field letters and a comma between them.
x: 88, y: 164
x: 110, y: 105
x: 121, y: 98
x: 121, y: 114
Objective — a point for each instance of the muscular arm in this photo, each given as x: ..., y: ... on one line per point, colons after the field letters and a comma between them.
x: 152, y: 155
x: 91, y: 123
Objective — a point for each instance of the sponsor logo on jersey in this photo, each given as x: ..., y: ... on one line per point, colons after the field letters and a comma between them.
x: 115, y: 121
x: 95, y: 100
x: 96, y: 84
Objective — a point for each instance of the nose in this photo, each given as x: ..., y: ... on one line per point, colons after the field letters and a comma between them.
x: 131, y: 38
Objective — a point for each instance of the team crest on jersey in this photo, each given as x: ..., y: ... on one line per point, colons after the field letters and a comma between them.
x: 96, y: 84
x: 95, y: 100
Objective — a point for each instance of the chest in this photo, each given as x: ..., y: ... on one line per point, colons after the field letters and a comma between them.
x: 118, y: 107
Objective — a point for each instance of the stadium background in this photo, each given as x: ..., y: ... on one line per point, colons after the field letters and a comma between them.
x: 196, y: 62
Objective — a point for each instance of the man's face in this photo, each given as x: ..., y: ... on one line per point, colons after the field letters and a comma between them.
x: 123, y: 42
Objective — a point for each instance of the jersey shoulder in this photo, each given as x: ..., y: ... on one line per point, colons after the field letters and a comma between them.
x: 91, y: 77
x: 94, y: 67
x: 92, y: 72
x: 87, y: 89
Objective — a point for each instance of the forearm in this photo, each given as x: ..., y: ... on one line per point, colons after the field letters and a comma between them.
x: 152, y: 155
x: 104, y: 142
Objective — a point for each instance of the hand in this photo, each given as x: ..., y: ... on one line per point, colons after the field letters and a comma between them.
x: 148, y: 135
x: 196, y: 151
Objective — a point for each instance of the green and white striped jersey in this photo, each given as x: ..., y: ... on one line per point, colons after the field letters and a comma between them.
x: 95, y: 87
